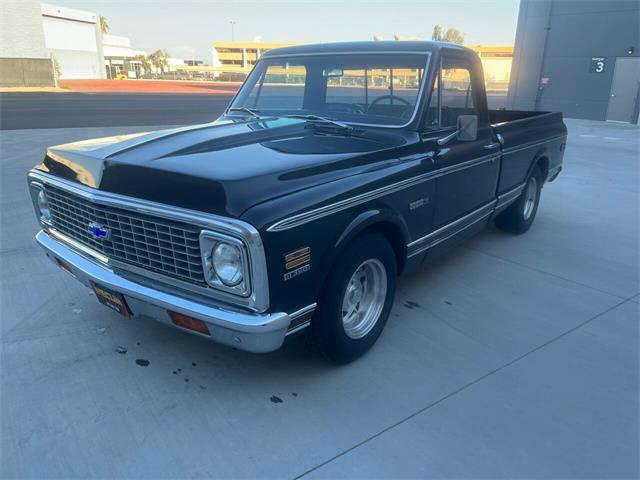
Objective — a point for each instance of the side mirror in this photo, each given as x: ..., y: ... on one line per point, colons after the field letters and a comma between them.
x: 333, y: 72
x: 466, y: 131
x: 467, y: 128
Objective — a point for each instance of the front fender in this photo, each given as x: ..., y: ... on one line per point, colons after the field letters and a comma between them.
x: 381, y: 219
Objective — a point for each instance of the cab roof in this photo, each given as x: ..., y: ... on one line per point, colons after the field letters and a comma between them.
x: 365, y: 47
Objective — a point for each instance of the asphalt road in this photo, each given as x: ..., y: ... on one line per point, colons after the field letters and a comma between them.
x: 67, y: 110
x: 513, y: 356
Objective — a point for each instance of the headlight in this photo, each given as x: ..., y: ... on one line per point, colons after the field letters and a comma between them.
x: 227, y: 263
x: 40, y: 202
x: 43, y: 206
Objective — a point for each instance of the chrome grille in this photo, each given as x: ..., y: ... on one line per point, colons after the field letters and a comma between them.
x: 146, y: 241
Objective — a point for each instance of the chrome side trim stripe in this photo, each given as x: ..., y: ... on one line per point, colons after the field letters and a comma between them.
x: 508, y: 197
x: 303, y: 311
x: 302, y: 326
x: 447, y: 231
x: 301, y: 318
x: 518, y: 148
x: 315, y: 214
x: 452, y: 234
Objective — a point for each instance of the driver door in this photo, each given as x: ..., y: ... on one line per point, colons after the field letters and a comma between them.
x: 468, y: 168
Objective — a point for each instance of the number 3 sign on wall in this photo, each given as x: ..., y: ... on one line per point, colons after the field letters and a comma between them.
x: 597, y: 64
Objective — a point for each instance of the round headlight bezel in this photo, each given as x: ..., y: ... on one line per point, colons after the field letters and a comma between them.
x: 222, y: 255
x: 209, y: 241
x: 43, y: 206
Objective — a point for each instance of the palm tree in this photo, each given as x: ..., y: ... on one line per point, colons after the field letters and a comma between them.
x: 104, y: 25
x: 159, y: 59
x: 145, y: 63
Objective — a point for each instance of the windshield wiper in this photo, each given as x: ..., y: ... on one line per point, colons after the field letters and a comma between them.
x: 253, y: 113
x: 318, y: 118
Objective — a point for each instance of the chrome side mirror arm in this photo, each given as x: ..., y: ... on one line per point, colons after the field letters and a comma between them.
x: 448, y: 138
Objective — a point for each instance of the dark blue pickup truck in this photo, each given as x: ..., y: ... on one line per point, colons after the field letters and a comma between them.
x: 335, y: 168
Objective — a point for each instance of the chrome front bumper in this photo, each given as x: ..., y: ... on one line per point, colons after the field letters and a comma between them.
x: 252, y: 332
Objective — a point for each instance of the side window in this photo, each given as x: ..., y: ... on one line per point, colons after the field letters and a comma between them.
x: 456, y: 97
x: 452, y: 95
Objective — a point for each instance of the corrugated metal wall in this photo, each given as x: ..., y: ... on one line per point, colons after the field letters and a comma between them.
x: 555, y: 43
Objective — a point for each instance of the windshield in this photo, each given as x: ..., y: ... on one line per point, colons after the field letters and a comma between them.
x: 377, y: 88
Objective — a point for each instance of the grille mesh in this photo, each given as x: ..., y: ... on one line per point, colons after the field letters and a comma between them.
x: 163, y: 246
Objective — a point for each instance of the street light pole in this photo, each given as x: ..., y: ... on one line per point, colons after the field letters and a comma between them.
x: 233, y: 36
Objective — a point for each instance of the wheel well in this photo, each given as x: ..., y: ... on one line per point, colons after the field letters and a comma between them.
x: 394, y: 236
x: 543, y: 162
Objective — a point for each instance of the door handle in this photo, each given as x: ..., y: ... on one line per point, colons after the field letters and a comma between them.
x: 491, y: 146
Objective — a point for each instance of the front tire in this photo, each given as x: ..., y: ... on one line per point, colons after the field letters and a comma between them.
x: 519, y: 216
x: 356, y: 300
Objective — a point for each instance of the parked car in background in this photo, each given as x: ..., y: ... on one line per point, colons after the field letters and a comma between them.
x: 335, y: 168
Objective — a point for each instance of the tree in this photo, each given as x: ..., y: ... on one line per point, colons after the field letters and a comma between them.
x: 438, y: 33
x: 160, y: 60
x: 452, y: 35
x: 56, y: 68
x: 104, y: 25
x: 145, y: 62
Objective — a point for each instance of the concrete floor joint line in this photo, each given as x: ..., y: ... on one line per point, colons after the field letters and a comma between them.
x: 514, y: 262
x: 464, y: 387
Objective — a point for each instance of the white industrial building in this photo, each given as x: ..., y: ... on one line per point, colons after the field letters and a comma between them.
x: 74, y: 41
x: 24, y: 60
x: 40, y: 42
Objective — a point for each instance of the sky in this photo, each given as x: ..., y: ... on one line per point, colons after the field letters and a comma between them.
x: 188, y: 27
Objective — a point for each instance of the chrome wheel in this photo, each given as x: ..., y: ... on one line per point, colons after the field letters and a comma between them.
x: 530, y: 198
x: 364, y: 298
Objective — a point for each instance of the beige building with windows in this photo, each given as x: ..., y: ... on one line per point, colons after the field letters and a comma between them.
x: 496, y: 63
x: 241, y: 56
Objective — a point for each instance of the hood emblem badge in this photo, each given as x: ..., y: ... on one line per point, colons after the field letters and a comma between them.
x: 98, y: 231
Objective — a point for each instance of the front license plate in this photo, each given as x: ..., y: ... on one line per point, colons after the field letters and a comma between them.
x: 111, y: 299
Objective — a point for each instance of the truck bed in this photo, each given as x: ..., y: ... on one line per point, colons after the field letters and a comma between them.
x: 527, y: 136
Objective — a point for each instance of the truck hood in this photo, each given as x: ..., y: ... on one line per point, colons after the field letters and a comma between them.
x: 224, y: 167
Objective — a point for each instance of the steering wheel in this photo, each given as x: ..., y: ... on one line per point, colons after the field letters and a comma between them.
x: 346, y: 107
x: 391, y: 97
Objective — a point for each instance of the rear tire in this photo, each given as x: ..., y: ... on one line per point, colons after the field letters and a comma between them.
x: 519, y: 216
x: 356, y: 300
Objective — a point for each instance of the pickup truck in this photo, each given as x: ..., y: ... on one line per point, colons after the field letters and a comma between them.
x: 335, y: 168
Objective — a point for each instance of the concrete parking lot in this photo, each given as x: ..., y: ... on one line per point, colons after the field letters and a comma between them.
x: 514, y: 356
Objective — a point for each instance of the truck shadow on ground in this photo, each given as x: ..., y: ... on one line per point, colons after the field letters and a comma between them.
x: 189, y: 352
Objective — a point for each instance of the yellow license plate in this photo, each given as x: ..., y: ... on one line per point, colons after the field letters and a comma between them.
x: 111, y: 299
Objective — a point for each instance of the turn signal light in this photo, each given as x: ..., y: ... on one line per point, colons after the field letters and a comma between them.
x: 189, y: 323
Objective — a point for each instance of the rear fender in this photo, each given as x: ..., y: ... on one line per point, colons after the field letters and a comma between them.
x: 540, y: 158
